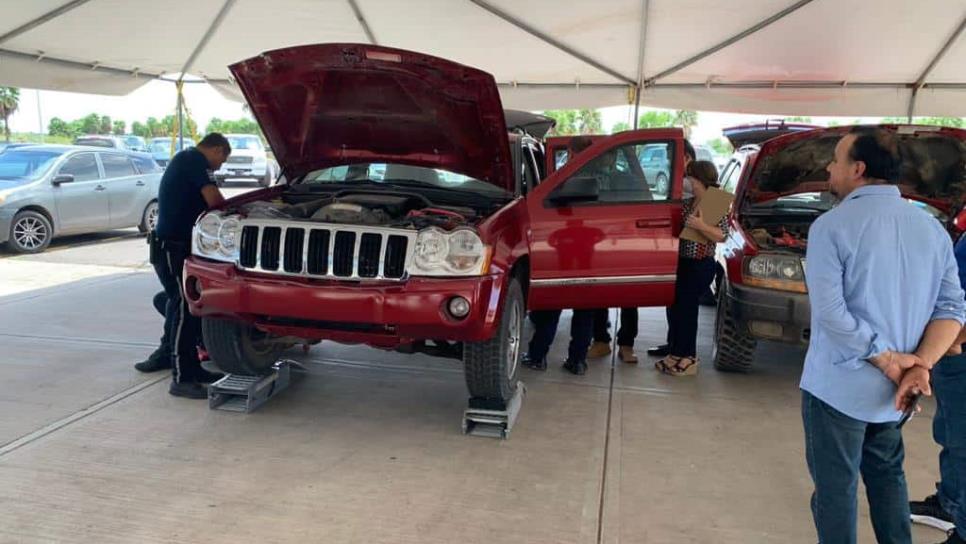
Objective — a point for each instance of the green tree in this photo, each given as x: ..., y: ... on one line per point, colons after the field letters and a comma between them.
x: 138, y: 129
x: 619, y: 127
x: 9, y: 102
x: 90, y: 124
x: 686, y: 119
x: 566, y: 121
x: 655, y: 119
x: 106, y: 125
x: 721, y: 146
x: 119, y: 127
x: 955, y: 122
x: 805, y: 120
x: 59, y: 127
x: 589, y: 121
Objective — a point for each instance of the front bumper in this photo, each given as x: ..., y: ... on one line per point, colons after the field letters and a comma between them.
x: 241, y: 171
x: 6, y: 219
x: 383, y: 314
x: 770, y: 314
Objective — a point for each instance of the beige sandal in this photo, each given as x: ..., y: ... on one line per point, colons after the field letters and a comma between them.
x: 685, y: 366
x: 666, y: 364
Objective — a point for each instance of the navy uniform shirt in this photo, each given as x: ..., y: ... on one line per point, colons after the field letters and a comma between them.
x: 179, y: 199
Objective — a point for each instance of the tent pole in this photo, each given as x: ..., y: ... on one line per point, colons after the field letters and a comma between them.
x: 45, y: 18
x: 645, y: 4
x: 180, y: 116
x: 354, y: 4
x: 737, y: 37
x: 225, y: 8
x: 921, y: 80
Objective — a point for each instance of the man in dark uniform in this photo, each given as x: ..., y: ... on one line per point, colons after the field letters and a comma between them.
x: 187, y: 190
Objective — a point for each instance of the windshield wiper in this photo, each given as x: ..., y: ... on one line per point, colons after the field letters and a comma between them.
x: 428, y: 185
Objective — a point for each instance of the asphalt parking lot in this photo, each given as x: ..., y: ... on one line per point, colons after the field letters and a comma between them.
x: 367, y: 447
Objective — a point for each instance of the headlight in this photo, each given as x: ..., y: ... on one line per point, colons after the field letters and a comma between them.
x: 776, y: 271
x: 216, y: 237
x: 457, y: 253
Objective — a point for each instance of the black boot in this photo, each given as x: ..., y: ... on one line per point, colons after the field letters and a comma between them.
x: 159, y: 360
x: 954, y: 538
x: 535, y: 365
x: 576, y: 367
x: 188, y: 390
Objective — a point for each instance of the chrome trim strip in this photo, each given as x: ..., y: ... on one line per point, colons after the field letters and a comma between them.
x: 611, y: 280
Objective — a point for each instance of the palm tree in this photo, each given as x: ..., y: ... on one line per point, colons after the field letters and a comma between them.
x: 686, y: 119
x: 9, y: 101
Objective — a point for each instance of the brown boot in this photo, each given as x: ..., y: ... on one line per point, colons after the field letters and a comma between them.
x: 626, y: 354
x: 598, y: 350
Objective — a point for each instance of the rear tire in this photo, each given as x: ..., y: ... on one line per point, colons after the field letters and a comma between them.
x: 492, y: 366
x: 149, y: 219
x: 733, y: 350
x: 660, y: 184
x: 30, y: 232
x: 239, y: 348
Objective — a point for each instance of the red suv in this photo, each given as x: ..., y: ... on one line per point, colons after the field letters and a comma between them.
x: 780, y: 188
x: 412, y: 219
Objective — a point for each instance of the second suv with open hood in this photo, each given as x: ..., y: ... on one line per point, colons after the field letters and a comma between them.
x: 412, y: 219
x: 781, y: 188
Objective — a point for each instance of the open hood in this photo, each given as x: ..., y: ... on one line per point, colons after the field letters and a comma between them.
x: 759, y: 133
x: 534, y: 124
x: 332, y: 104
x: 933, y: 164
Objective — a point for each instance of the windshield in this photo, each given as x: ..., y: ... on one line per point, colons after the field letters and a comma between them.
x: 96, y: 142
x: 245, y: 142
x: 163, y: 145
x: 399, y: 174
x: 17, y: 165
x: 133, y: 141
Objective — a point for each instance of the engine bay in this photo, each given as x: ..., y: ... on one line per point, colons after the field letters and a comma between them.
x: 361, y: 207
x: 779, y: 232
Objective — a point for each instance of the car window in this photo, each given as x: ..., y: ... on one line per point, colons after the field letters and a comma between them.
x: 245, y: 142
x: 116, y: 166
x: 730, y: 176
x: 95, y: 142
x: 145, y: 165
x: 401, y: 174
x: 17, y: 165
x: 622, y: 175
x: 531, y: 176
x: 83, y: 167
x: 560, y: 157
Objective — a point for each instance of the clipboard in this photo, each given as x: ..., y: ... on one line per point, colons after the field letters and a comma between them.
x: 714, y: 205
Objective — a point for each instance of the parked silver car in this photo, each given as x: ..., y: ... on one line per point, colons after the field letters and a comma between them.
x: 54, y: 190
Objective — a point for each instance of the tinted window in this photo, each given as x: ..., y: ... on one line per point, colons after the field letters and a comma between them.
x: 244, y: 142
x: 560, y: 157
x: 96, y: 142
x: 623, y: 175
x: 730, y: 176
x: 116, y: 166
x: 83, y: 167
x: 146, y: 165
x: 25, y: 165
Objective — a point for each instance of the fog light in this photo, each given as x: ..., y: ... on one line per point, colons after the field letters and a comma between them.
x: 458, y: 307
x: 766, y: 329
x: 192, y: 288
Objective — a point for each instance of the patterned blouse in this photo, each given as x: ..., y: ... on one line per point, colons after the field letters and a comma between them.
x: 695, y: 250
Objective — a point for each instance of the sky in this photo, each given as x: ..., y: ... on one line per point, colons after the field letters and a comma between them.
x: 157, y: 99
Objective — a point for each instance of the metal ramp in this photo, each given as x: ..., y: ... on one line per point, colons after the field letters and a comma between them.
x: 240, y: 393
x: 494, y: 423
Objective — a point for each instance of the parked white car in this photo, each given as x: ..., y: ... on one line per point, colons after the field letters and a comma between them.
x: 248, y: 160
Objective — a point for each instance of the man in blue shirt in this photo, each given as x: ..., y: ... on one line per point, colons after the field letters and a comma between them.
x: 186, y: 191
x: 886, y: 305
x: 948, y: 504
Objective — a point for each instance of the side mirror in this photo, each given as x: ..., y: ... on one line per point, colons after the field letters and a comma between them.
x: 574, y: 190
x: 63, y: 178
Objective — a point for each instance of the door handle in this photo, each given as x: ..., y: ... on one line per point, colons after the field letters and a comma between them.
x: 653, y: 223
x: 140, y: 183
x: 100, y: 188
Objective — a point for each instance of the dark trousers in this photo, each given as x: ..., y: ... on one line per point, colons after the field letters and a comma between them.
x: 545, y: 328
x: 949, y: 431
x: 182, y: 330
x: 627, y: 333
x: 838, y: 449
x: 693, y: 278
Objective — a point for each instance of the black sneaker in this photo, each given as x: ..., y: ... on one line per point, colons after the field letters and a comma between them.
x: 209, y: 377
x: 159, y: 360
x: 659, y: 351
x: 930, y: 508
x: 188, y: 390
x: 953, y: 538
x: 535, y: 365
x: 576, y: 367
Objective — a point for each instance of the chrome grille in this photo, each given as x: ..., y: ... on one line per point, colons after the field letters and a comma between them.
x: 325, y: 250
x: 235, y: 159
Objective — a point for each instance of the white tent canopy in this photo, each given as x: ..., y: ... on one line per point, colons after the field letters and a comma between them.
x: 809, y: 57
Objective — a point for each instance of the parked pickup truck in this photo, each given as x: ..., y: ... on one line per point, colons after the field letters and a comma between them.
x: 414, y: 219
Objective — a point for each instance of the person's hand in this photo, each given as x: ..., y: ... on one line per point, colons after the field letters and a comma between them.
x: 695, y: 221
x: 894, y: 364
x: 913, y: 382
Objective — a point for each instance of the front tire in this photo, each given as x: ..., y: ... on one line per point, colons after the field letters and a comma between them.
x: 733, y: 350
x: 492, y: 366
x: 30, y: 232
x: 239, y: 348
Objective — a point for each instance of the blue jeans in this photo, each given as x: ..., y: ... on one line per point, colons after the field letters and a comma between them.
x: 838, y: 449
x: 949, y: 431
x: 545, y: 329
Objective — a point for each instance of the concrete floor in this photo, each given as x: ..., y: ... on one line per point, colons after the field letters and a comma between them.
x: 366, y: 447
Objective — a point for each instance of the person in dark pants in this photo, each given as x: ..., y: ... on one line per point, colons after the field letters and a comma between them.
x: 186, y: 191
x: 625, y: 335
x: 876, y: 332
x: 689, y: 156
x: 695, y: 271
x: 160, y: 358
x: 948, y: 504
x: 545, y: 329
